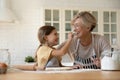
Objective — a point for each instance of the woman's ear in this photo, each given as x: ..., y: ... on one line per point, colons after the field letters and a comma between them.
x: 89, y: 28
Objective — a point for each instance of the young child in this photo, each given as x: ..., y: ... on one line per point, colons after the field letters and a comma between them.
x: 47, y: 55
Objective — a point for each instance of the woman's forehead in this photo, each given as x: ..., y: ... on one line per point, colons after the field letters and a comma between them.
x: 78, y: 21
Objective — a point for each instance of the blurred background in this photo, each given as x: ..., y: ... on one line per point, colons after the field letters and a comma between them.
x: 20, y: 20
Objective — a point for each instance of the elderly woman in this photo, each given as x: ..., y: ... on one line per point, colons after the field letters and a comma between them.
x: 86, y: 48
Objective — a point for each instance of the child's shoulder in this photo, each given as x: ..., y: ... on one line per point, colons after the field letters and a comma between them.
x: 44, y: 49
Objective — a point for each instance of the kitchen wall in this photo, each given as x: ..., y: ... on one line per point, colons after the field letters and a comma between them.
x: 21, y: 37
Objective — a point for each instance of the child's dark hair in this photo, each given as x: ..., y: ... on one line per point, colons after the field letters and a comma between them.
x: 43, y: 31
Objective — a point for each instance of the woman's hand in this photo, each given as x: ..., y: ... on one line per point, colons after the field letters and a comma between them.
x: 96, y: 61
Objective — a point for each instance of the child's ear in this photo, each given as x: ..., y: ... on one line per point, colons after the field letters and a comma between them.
x: 45, y: 37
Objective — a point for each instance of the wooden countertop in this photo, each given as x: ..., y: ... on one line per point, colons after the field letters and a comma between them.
x: 61, y: 75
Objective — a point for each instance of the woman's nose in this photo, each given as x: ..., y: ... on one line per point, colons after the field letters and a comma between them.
x: 74, y: 30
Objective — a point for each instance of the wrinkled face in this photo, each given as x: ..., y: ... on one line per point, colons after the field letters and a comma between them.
x: 52, y: 38
x: 80, y: 29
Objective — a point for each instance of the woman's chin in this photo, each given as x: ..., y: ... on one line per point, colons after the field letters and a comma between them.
x: 77, y: 36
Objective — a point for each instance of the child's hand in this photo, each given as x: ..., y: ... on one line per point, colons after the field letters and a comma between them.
x: 70, y: 36
x: 77, y: 66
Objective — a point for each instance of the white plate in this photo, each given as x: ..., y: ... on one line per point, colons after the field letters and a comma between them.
x: 58, y: 68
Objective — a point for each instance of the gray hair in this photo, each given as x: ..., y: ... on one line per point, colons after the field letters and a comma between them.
x: 87, y: 18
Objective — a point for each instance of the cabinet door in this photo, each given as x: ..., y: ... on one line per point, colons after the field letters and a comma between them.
x: 52, y: 18
x: 110, y: 26
x: 69, y: 14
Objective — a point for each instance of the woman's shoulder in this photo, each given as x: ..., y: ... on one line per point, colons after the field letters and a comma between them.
x: 98, y: 36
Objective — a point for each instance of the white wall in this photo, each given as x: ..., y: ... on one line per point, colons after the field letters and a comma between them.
x: 83, y: 3
x: 21, y: 38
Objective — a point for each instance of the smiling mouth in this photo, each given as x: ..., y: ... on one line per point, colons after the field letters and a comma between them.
x: 75, y: 33
x: 56, y: 40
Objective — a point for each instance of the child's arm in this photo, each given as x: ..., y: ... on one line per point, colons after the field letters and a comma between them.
x: 64, y: 49
x: 24, y: 67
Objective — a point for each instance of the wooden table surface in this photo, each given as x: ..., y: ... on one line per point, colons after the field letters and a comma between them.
x: 82, y: 75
